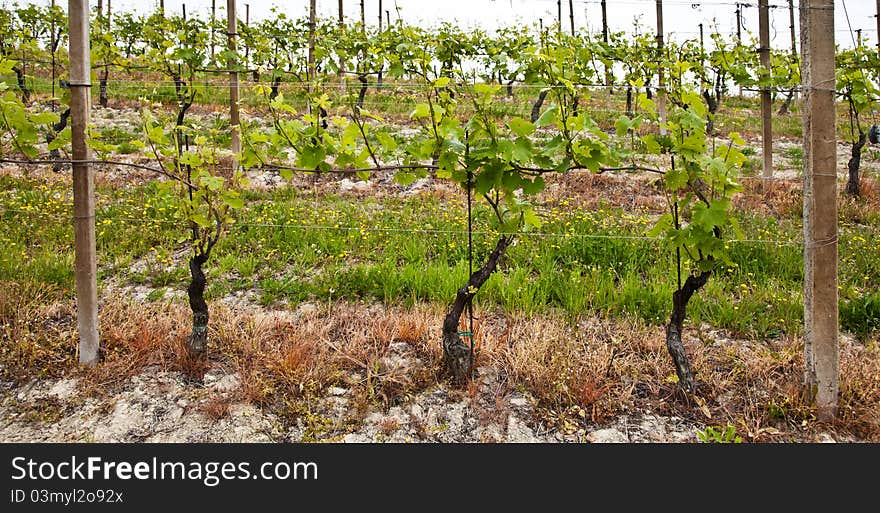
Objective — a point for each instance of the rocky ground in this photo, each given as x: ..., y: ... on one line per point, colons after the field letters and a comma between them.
x: 162, y: 406
x: 157, y: 406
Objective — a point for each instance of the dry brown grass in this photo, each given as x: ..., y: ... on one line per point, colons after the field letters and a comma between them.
x: 860, y: 390
x: 865, y: 207
x: 135, y: 336
x: 581, y: 365
x: 636, y: 192
x: 600, y: 368
x: 783, y: 198
x: 37, y: 331
x: 586, y: 371
x: 216, y: 406
x: 388, y: 426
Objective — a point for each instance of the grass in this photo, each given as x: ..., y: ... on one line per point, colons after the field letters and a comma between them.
x: 587, y: 259
x: 796, y: 154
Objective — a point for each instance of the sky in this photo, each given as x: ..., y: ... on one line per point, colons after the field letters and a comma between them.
x: 681, y: 17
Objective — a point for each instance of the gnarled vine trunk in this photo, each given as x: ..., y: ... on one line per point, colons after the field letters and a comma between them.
x: 855, y: 161
x: 536, y: 108
x: 458, y: 356
x: 276, y: 83
x: 56, y: 128
x: 362, y: 78
x: 674, y: 344
x: 322, y: 116
x: 712, y: 105
x: 183, y: 107
x: 197, y: 342
x: 629, y: 102
x: 102, y: 88
x: 786, y: 104
x: 22, y: 85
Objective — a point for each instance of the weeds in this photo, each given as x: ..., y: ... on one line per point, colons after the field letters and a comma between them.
x: 578, y: 372
x: 725, y: 435
x: 591, y: 260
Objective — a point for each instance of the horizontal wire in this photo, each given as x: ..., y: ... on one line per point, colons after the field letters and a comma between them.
x: 274, y: 168
x: 113, y: 83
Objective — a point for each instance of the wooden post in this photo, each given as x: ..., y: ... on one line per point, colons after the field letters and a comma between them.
x: 571, y: 15
x: 311, y: 70
x: 363, y: 19
x: 739, y: 33
x: 791, y: 28
x: 103, y: 83
x: 608, y: 71
x: 702, y: 46
x: 83, y: 184
x: 234, y: 122
x: 247, y: 23
x: 794, y: 52
x: 213, y: 21
x: 821, y: 376
x: 341, y: 28
x: 702, y: 60
x: 661, y: 92
x: 559, y: 15
x: 162, y: 7
x: 183, y: 10
x: 766, y: 106
x: 877, y: 16
x: 605, y: 21
x: 379, y: 76
x: 739, y: 23
x: 52, y: 43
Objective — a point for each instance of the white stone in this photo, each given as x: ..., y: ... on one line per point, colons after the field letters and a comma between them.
x: 518, y: 432
x: 519, y: 401
x: 228, y: 383
x: 356, y: 438
x: 337, y: 391
x: 825, y: 438
x: 348, y: 185
x: 64, y: 389
x: 607, y: 436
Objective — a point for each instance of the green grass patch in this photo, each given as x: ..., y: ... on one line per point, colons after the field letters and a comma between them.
x: 409, y: 250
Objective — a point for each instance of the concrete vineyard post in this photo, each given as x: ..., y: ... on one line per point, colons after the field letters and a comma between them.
x: 83, y: 184
x: 661, y: 91
x: 232, y: 30
x: 766, y: 106
x: 821, y: 375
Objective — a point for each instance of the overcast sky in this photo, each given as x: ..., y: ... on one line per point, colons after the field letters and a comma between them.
x: 681, y: 17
